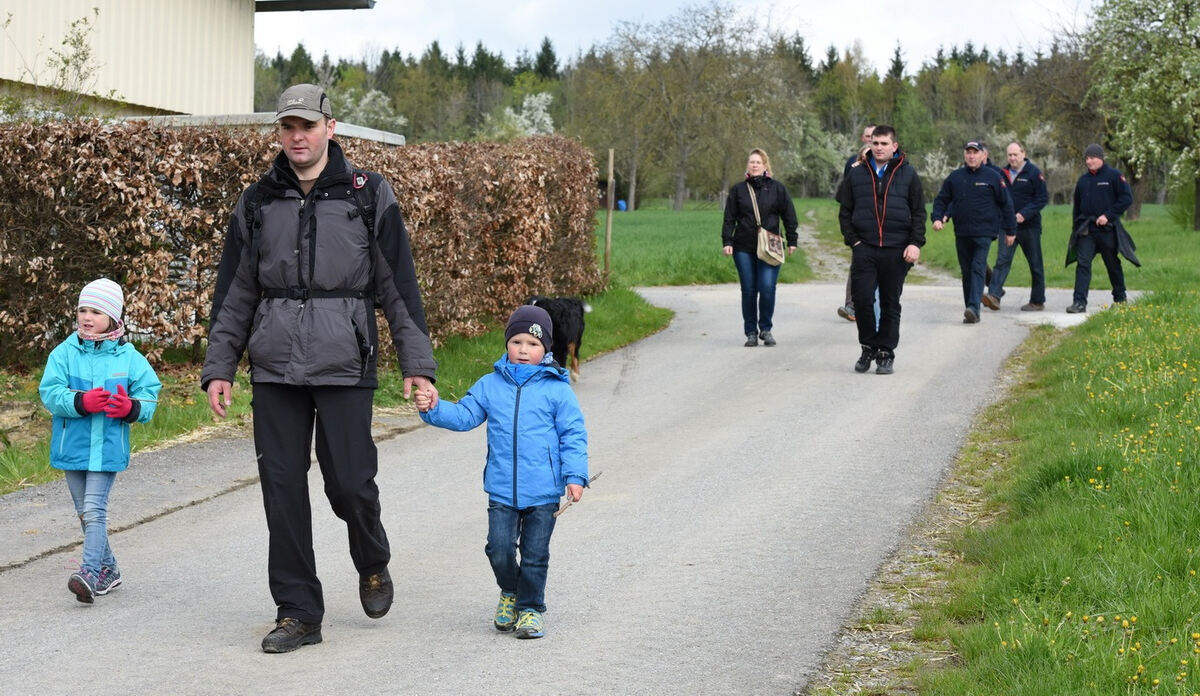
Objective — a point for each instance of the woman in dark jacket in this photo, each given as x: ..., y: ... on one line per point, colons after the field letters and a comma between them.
x: 739, y: 235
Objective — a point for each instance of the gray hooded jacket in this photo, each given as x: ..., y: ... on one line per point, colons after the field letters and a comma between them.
x: 300, y: 292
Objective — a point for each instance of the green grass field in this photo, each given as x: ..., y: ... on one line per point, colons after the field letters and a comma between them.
x: 1086, y: 580
x: 655, y: 246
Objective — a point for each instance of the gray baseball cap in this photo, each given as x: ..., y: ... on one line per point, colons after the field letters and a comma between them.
x: 306, y: 101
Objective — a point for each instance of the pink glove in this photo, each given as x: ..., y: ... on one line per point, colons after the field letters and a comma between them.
x: 95, y: 400
x: 119, y: 404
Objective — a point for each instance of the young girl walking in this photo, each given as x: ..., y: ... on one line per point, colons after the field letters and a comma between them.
x: 537, y: 448
x: 95, y: 385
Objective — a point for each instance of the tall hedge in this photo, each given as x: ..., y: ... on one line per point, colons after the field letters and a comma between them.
x: 148, y: 206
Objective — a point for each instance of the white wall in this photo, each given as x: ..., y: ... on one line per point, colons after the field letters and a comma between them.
x: 164, y: 56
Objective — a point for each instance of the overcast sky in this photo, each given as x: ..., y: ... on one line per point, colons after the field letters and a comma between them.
x: 519, y: 25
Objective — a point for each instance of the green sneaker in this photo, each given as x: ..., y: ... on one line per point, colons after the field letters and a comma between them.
x: 506, y: 614
x: 529, y: 625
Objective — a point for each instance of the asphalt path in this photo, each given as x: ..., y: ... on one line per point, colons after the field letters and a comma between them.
x: 747, y: 498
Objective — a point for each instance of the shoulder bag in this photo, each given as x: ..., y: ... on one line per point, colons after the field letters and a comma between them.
x: 770, y: 245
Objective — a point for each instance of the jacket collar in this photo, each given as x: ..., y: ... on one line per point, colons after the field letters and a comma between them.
x: 282, y: 177
x: 546, y: 370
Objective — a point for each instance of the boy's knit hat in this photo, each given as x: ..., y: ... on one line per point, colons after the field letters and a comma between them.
x: 531, y: 320
x: 1093, y: 150
x: 104, y: 295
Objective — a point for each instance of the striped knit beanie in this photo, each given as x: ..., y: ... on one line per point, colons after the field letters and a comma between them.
x: 104, y: 295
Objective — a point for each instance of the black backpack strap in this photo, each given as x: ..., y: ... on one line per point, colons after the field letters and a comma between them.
x: 362, y: 187
x: 254, y: 203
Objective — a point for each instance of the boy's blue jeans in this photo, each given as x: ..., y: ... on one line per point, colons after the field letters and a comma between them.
x: 89, y: 490
x: 530, y: 529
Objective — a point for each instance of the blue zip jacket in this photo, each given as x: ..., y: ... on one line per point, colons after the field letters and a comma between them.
x: 978, y: 201
x: 1103, y: 193
x: 93, y: 441
x: 536, y: 439
x: 1029, y: 195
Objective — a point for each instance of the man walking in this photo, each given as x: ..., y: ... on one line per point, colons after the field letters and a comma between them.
x: 982, y: 209
x: 1027, y: 187
x: 312, y: 248
x: 1101, y: 196
x: 882, y: 217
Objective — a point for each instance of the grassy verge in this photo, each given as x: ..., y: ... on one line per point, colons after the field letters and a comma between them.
x: 1074, y: 569
x: 1087, y: 581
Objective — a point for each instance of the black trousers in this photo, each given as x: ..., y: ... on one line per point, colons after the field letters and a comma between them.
x: 884, y: 268
x: 284, y: 420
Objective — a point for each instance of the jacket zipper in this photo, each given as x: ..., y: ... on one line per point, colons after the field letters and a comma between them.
x: 516, y: 418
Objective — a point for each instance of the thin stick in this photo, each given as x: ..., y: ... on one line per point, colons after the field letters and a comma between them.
x: 563, y: 509
x: 134, y: 398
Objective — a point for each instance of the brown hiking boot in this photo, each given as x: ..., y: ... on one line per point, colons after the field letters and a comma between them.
x: 375, y: 593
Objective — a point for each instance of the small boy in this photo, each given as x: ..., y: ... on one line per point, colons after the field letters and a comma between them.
x: 536, y: 444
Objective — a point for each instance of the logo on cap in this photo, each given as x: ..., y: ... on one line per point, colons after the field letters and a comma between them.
x: 535, y: 330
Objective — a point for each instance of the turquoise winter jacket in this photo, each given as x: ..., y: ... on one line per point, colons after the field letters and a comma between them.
x: 94, y: 442
x: 536, y: 438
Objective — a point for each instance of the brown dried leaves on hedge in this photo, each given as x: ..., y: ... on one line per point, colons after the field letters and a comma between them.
x: 148, y: 206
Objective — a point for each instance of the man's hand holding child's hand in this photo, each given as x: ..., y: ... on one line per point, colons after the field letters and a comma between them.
x: 424, y: 401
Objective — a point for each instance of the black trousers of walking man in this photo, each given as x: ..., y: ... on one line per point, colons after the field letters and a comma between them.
x: 284, y: 419
x: 884, y: 268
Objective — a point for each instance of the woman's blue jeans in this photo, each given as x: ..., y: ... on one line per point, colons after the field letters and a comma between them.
x: 89, y: 491
x: 758, y: 280
x: 530, y: 529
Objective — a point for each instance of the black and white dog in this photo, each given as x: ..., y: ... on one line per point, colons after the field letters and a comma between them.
x: 567, y: 315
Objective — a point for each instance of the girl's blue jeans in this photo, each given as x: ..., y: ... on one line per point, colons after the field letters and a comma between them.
x: 89, y: 491
x: 758, y: 280
x: 530, y: 530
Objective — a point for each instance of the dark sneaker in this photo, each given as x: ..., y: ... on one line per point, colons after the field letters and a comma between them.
x: 970, y: 316
x: 83, y: 584
x: 1076, y: 309
x: 864, y: 360
x: 751, y: 340
x: 991, y: 302
x: 506, y: 612
x: 767, y: 338
x: 109, y: 579
x: 375, y: 593
x: 1033, y: 307
x: 290, y: 634
x: 529, y: 625
x: 883, y: 361
x: 846, y: 313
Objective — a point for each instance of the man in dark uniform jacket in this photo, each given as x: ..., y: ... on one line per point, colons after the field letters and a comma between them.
x: 1027, y: 186
x: 976, y: 197
x: 1101, y: 196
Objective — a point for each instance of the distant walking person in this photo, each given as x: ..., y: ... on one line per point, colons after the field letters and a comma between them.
x: 313, y: 247
x: 536, y: 450
x: 976, y: 196
x: 882, y: 218
x: 846, y: 311
x: 95, y: 385
x: 1027, y: 187
x: 1101, y: 196
x: 739, y: 235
